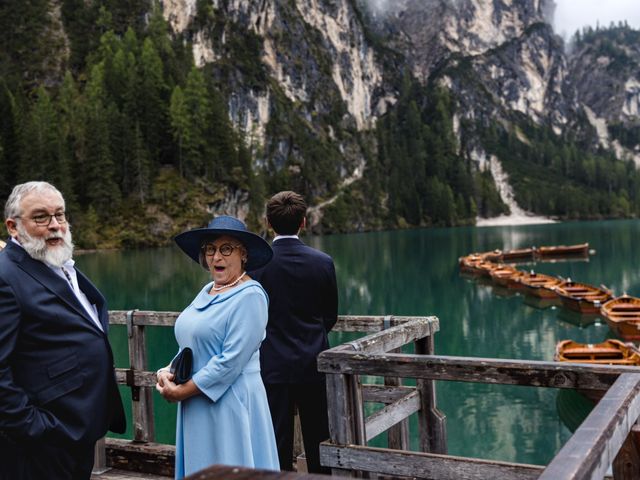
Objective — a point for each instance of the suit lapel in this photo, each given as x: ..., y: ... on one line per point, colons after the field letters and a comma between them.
x: 56, y: 284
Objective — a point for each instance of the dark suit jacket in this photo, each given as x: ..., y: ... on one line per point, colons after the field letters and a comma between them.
x: 303, y: 307
x: 57, y: 381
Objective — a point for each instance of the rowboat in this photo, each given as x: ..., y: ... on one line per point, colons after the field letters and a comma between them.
x: 581, y: 297
x: 483, y: 268
x: 609, y: 352
x: 518, y: 254
x: 493, y: 256
x: 504, y: 274
x: 563, y: 250
x: 467, y: 263
x: 623, y: 316
x: 540, y: 285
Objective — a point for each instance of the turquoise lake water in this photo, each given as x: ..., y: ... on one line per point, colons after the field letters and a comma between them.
x: 415, y: 272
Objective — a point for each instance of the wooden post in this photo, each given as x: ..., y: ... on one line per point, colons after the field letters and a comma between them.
x: 142, y: 400
x: 100, y: 457
x: 431, y: 421
x: 341, y: 416
x: 398, y: 435
x: 626, y: 465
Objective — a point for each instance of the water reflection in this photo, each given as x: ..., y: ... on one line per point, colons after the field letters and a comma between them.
x: 415, y: 272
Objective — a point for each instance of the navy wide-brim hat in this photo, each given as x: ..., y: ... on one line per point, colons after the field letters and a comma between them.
x: 259, y: 252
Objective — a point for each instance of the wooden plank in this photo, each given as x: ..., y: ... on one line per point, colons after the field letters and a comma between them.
x: 142, y: 402
x: 384, y: 393
x: 392, y: 414
x: 345, y: 323
x: 340, y: 413
x: 224, y: 472
x: 472, y: 369
x: 397, y: 435
x: 395, y: 337
x: 626, y: 466
x: 153, y: 458
x: 422, y: 465
x: 431, y: 421
x: 594, y: 445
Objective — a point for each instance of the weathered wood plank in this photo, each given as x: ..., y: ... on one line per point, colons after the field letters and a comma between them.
x: 593, y: 446
x: 223, y: 472
x: 115, y: 474
x: 345, y: 323
x: 472, y: 369
x: 391, y: 414
x: 422, y: 465
x: 395, y: 337
x: 384, y: 393
x: 142, y: 401
x: 431, y: 421
x: 154, y: 458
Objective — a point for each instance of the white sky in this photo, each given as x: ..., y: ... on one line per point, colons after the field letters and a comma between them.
x: 574, y: 14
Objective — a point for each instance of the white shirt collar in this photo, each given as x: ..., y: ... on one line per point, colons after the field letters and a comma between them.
x: 279, y: 237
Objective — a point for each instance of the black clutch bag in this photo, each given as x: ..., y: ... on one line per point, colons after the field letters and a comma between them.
x: 182, y: 365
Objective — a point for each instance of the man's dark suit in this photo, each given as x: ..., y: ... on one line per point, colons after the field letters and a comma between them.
x: 57, y: 385
x: 303, y: 307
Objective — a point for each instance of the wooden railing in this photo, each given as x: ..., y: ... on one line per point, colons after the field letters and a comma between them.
x: 141, y: 453
x: 602, y: 440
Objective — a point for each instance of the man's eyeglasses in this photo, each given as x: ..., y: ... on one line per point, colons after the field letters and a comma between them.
x: 225, y: 249
x: 44, y: 219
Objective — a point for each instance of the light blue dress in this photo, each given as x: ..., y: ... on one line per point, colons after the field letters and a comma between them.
x: 229, y: 423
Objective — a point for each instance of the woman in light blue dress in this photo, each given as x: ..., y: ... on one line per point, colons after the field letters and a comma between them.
x: 223, y: 414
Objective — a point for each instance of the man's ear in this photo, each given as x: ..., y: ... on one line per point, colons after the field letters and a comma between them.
x: 303, y: 224
x: 11, y: 227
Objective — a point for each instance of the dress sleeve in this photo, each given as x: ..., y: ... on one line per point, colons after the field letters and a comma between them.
x: 245, y: 331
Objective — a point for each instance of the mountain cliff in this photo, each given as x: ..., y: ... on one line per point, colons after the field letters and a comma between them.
x: 384, y: 114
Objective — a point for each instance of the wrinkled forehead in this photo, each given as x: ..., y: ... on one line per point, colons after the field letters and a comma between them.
x: 45, y: 201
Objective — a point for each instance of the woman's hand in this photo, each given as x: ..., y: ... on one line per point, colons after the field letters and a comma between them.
x: 175, y: 393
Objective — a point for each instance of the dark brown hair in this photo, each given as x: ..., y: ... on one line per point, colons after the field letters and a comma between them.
x: 285, y: 212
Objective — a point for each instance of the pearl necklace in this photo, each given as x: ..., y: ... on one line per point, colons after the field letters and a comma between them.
x: 222, y: 287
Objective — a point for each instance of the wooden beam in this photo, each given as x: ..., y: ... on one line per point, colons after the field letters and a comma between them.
x: 384, y: 393
x: 391, y: 414
x: 594, y: 445
x: 472, y: 369
x: 346, y: 323
x: 396, y: 337
x: 422, y: 465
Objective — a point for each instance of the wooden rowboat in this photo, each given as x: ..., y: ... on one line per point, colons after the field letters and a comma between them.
x: 467, y: 264
x: 563, y: 250
x: 609, y: 352
x: 623, y: 316
x: 503, y: 274
x: 540, y: 285
x: 518, y: 254
x: 581, y: 297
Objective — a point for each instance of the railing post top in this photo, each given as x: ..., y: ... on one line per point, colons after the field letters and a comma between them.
x: 386, y: 322
x: 130, y: 322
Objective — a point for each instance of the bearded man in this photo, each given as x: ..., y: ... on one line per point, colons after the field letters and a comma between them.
x: 58, y: 393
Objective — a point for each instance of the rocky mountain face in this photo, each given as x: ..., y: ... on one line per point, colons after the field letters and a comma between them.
x: 383, y: 113
x: 335, y: 61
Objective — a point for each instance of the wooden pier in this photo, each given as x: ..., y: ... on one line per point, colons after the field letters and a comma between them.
x: 607, y: 437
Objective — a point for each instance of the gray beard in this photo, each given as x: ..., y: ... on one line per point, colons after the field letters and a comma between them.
x: 37, y: 247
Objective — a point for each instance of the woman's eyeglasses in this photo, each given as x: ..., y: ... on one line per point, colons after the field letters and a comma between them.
x: 225, y: 249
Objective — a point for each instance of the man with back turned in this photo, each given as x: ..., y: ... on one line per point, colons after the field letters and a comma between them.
x: 303, y: 307
x: 58, y: 393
